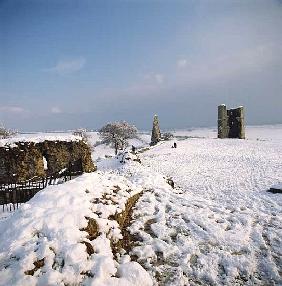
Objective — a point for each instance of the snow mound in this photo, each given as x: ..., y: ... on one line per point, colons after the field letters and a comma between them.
x: 46, y: 241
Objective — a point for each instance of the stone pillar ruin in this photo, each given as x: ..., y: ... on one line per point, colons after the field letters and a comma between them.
x: 223, y: 128
x: 241, y: 118
x: 156, y: 132
x: 231, y: 122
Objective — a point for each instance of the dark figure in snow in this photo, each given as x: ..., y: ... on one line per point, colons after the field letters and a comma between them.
x: 133, y: 149
x: 174, y: 145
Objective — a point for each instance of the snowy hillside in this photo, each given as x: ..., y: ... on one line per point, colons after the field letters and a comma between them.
x: 218, y: 226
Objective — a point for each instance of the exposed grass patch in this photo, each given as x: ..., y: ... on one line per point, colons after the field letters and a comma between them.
x: 37, y: 265
x: 89, y: 247
x: 92, y: 228
x: 124, y: 218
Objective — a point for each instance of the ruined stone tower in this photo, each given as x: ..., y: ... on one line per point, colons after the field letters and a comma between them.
x: 156, y: 132
x: 231, y: 122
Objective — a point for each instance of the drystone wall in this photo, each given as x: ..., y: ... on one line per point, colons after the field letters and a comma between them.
x: 24, y: 161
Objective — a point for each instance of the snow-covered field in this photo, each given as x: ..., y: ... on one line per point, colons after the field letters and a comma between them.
x: 218, y: 226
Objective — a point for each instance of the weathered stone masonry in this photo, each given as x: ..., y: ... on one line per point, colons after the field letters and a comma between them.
x: 24, y: 161
x: 156, y: 132
x: 231, y: 123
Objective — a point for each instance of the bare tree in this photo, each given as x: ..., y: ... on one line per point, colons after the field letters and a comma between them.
x: 82, y: 133
x: 85, y: 137
x: 6, y: 133
x: 117, y: 134
x: 167, y: 136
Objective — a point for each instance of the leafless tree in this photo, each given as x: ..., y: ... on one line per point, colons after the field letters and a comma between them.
x: 85, y: 136
x: 117, y: 134
x: 167, y: 136
x: 82, y: 133
x: 6, y: 133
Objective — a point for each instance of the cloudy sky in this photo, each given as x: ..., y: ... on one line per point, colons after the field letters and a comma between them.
x: 66, y: 64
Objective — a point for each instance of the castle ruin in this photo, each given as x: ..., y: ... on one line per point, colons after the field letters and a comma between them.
x: 231, y: 122
x: 23, y: 161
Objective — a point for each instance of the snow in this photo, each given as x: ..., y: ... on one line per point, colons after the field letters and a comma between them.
x: 277, y: 186
x: 37, y: 138
x: 50, y: 226
x: 45, y: 163
x: 219, y: 226
x: 102, y: 150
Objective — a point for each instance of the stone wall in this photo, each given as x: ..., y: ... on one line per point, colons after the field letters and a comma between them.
x: 24, y: 161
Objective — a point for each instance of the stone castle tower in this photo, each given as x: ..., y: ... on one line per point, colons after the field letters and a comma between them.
x: 156, y: 132
x: 231, y: 122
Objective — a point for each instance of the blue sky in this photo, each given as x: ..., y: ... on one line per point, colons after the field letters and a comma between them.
x: 69, y: 64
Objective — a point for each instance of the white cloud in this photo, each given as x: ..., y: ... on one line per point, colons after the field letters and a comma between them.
x: 182, y: 63
x: 56, y: 110
x: 67, y: 67
x: 12, y: 109
x: 159, y: 78
x: 239, y: 63
x: 151, y: 79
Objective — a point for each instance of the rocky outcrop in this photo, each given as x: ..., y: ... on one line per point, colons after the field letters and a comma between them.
x: 156, y: 132
x: 24, y: 161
